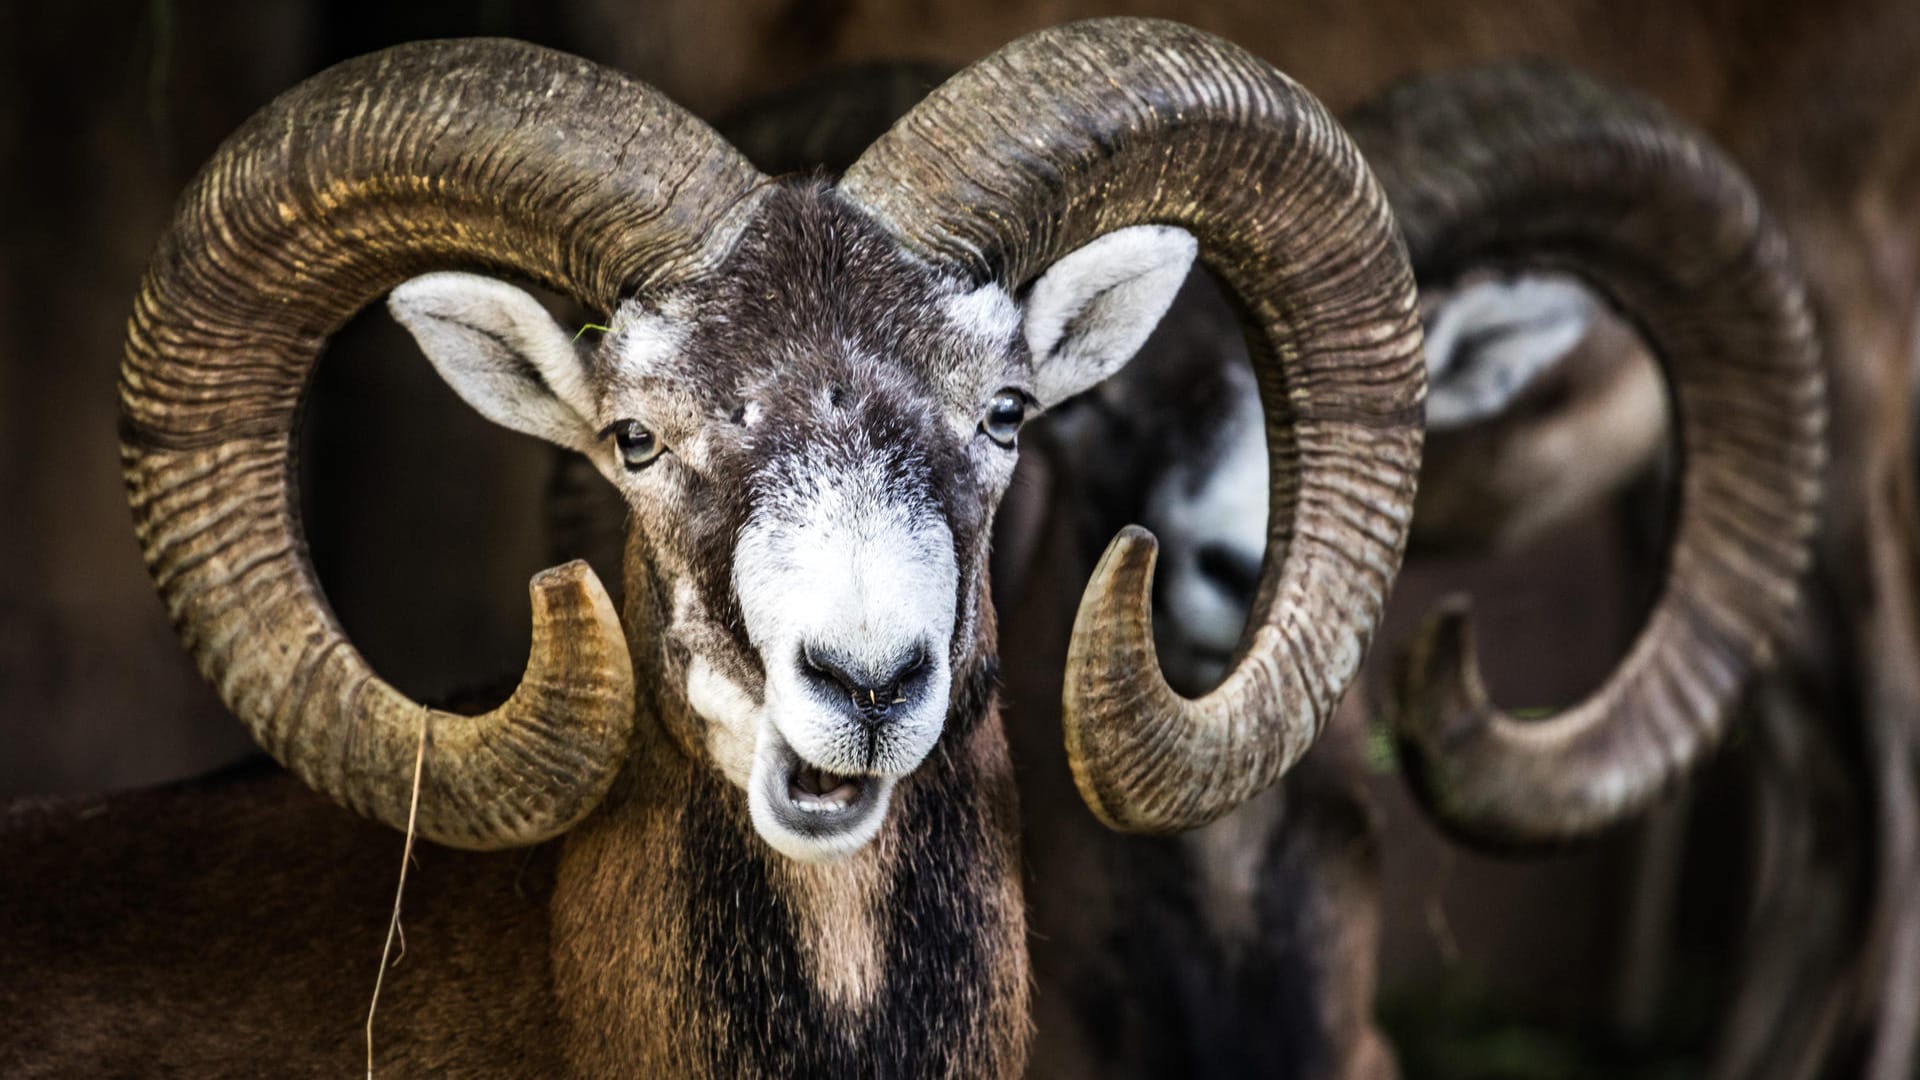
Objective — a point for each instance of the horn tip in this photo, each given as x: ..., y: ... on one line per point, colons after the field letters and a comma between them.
x: 1129, y: 557
x: 571, y: 585
x: 576, y: 627
x: 1440, y: 695
x: 566, y: 574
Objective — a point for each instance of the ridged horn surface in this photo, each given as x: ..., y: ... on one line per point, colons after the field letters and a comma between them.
x: 1073, y: 132
x: 489, y: 155
x: 1533, y: 168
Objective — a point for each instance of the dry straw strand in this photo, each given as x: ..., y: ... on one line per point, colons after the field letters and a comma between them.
x: 406, y: 856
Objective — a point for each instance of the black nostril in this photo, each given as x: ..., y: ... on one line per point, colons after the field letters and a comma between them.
x: 1232, y: 571
x: 824, y: 666
x: 872, y: 693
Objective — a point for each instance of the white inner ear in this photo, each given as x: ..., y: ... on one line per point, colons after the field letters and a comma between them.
x: 1492, y: 339
x: 501, y: 352
x: 1094, y: 308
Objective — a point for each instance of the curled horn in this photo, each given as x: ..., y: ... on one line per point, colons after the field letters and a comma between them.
x: 1073, y: 132
x: 484, y: 154
x: 1531, y: 168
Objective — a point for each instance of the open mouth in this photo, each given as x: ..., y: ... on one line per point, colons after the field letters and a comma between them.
x: 808, y: 812
x: 818, y: 791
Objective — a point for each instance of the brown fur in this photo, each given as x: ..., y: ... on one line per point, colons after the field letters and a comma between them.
x: 1244, y: 948
x: 146, y: 934
x: 648, y: 950
x: 1157, y: 956
x: 1247, y: 947
x: 232, y: 926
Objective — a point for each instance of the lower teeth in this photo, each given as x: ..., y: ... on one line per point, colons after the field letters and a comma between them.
x: 817, y: 789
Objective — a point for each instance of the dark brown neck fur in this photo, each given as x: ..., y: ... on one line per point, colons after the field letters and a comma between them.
x: 684, y: 946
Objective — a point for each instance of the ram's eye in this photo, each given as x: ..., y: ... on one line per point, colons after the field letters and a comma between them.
x: 1005, y: 413
x: 636, y: 445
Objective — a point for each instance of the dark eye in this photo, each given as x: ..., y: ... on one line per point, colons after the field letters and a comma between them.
x: 637, y: 446
x: 1005, y: 413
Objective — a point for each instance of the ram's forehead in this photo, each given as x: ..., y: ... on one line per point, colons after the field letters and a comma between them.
x: 816, y: 290
x: 986, y: 317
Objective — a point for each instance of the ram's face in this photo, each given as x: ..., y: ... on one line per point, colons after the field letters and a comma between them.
x: 1539, y: 406
x: 1544, y: 405
x: 811, y: 444
x: 828, y: 427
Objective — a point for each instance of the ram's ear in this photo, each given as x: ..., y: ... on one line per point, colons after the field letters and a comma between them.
x: 501, y: 352
x: 1093, y: 308
x: 1490, y: 340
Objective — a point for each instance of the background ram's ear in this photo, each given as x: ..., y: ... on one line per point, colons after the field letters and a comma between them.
x: 1093, y: 309
x: 501, y: 352
x: 1490, y: 340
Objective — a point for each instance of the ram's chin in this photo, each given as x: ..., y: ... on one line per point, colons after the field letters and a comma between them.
x: 807, y: 813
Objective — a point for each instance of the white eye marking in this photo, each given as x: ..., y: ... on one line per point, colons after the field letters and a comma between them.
x: 987, y: 314
x: 646, y: 343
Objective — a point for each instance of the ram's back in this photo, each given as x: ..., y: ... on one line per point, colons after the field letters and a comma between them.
x: 135, y: 931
